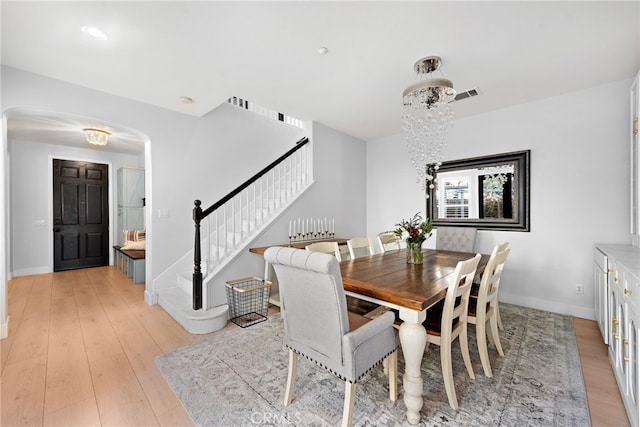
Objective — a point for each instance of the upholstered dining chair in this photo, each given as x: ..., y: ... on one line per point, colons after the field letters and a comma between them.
x: 461, y: 239
x: 317, y: 324
x: 359, y: 247
x: 483, y: 307
x: 447, y: 321
x: 326, y: 248
x: 388, y: 240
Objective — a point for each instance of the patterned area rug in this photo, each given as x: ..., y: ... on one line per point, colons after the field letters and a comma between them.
x: 237, y: 378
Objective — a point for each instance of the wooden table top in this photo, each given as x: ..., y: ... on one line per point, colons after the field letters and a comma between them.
x: 298, y: 245
x: 387, y: 277
x: 132, y: 253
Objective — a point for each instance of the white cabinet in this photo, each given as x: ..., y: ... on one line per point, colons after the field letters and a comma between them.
x: 634, y: 156
x: 130, y: 201
x: 601, y: 292
x: 624, y: 344
x: 623, y: 304
x: 616, y: 279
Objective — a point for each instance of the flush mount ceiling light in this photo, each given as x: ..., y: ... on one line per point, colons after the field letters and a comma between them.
x: 97, y: 136
x: 95, y: 32
x: 427, y: 117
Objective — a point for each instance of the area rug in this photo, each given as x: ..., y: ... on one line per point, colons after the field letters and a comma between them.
x: 237, y: 378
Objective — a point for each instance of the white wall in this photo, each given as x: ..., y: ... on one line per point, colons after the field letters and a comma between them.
x: 164, y: 129
x: 191, y: 158
x: 339, y: 192
x: 579, y: 189
x: 31, y: 187
x: 579, y: 179
x: 222, y: 150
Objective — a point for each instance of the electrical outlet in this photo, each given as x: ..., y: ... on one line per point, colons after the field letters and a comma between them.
x: 579, y: 288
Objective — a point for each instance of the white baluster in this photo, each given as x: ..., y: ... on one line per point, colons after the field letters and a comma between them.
x: 289, y: 179
x: 240, y: 216
x: 224, y: 229
x: 255, y: 202
x: 233, y: 223
x: 217, y: 235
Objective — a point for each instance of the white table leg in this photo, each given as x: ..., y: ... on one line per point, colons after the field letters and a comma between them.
x: 413, y: 339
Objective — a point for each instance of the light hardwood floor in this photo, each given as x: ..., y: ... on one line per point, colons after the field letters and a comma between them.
x: 603, y: 396
x: 81, y: 350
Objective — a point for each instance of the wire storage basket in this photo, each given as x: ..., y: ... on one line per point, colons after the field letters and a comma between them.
x: 248, y: 300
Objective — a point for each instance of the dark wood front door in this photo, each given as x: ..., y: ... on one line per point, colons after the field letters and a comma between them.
x: 80, y: 215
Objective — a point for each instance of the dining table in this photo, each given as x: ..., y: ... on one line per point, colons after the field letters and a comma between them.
x: 387, y: 279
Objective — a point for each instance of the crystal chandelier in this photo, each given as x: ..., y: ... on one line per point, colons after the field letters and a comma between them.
x: 97, y: 136
x: 426, y: 119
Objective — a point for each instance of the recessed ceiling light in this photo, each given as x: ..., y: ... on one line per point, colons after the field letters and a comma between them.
x: 186, y: 100
x: 323, y: 50
x: 95, y: 32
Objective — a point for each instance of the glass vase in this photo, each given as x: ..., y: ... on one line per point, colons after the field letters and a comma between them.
x: 414, y: 253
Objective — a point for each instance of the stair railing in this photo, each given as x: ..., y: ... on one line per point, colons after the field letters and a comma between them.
x: 275, y: 196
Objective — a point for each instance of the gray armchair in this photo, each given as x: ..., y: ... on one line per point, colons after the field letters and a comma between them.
x: 317, y: 326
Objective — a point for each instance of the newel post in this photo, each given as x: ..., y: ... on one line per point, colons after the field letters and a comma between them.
x: 197, y: 271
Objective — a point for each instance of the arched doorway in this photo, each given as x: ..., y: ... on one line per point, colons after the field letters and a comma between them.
x: 31, y: 140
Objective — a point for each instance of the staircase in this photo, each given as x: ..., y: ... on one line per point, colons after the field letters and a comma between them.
x: 225, y: 230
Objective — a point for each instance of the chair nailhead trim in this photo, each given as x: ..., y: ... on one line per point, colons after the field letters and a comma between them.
x: 337, y: 374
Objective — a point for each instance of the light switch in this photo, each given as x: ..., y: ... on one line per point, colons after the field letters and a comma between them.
x: 163, y: 213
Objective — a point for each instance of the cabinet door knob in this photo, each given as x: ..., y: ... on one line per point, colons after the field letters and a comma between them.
x: 625, y: 342
x: 635, y: 125
x: 615, y: 321
x: 626, y: 359
x: 616, y: 280
x: 616, y: 336
x: 627, y: 292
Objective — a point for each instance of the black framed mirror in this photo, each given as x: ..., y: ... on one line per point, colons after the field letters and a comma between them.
x: 488, y: 193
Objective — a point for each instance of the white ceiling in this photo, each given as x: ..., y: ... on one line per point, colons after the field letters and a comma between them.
x: 68, y: 130
x: 267, y: 52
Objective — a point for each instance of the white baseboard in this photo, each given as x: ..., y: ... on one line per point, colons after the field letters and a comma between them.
x: 31, y: 271
x: 4, y: 329
x: 553, y: 306
x: 150, y: 298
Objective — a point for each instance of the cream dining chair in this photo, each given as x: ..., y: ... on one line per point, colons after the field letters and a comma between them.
x: 476, y: 284
x: 359, y: 247
x: 388, y: 240
x: 483, y: 307
x: 447, y: 321
x: 318, y: 326
x: 326, y: 248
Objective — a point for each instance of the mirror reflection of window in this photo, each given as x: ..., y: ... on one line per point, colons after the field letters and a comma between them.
x: 457, y: 191
x: 457, y: 199
x: 477, y: 193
